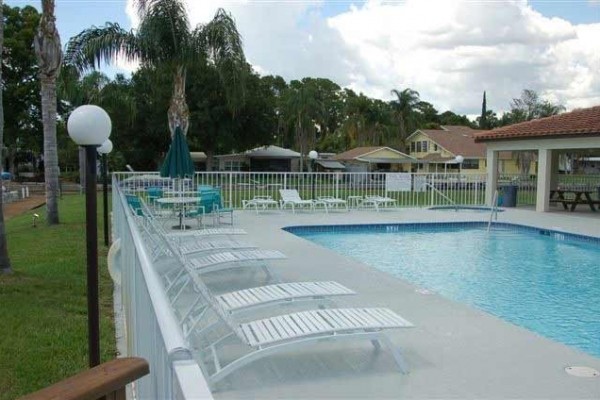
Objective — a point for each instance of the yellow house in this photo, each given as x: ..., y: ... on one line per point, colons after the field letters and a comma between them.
x: 379, y: 158
x: 437, y: 149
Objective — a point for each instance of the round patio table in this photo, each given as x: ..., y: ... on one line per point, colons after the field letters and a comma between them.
x: 182, y: 202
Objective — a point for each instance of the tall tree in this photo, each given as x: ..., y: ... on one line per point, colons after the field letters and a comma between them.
x: 483, y: 118
x: 302, y: 108
x: 49, y: 54
x: 164, y: 38
x: 526, y: 108
x: 405, y: 106
x: 5, y: 266
x: 21, y: 86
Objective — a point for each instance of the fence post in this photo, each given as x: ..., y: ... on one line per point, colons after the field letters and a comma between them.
x: 230, y: 189
x: 431, y: 188
x: 285, y: 180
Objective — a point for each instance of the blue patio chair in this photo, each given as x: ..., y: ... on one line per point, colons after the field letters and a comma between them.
x: 220, y: 209
x: 134, y: 203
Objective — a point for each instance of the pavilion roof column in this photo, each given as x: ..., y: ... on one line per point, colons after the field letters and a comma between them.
x: 544, y: 178
x: 492, y: 176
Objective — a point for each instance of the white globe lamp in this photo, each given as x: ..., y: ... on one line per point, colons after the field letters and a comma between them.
x: 459, y: 159
x: 89, y: 125
x: 313, y: 155
x: 106, y: 147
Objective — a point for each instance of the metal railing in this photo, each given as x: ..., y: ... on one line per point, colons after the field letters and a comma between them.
x: 408, y: 189
x: 152, y: 331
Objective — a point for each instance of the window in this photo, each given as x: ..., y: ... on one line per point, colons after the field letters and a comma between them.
x: 232, y: 166
x: 435, y: 148
x: 470, y: 164
x: 418, y: 147
x: 412, y: 147
x: 424, y: 146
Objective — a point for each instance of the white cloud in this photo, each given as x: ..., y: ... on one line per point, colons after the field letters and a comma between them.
x: 449, y: 51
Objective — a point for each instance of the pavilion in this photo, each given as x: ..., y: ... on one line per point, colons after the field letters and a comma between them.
x: 577, y: 131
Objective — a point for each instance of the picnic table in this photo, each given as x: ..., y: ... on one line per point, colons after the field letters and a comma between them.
x: 573, y: 197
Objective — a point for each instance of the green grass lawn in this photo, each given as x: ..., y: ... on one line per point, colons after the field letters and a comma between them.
x: 43, y: 304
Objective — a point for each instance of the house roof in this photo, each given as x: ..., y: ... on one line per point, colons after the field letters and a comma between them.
x: 330, y: 164
x: 360, y: 153
x: 456, y: 139
x: 266, y: 152
x: 581, y: 122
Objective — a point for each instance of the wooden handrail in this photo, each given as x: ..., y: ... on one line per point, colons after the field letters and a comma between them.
x: 108, y: 379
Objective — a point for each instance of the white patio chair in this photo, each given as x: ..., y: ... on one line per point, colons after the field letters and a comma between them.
x: 378, y: 201
x: 291, y: 197
x: 262, y: 202
x: 333, y: 202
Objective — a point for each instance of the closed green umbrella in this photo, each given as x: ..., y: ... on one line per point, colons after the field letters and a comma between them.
x: 178, y: 163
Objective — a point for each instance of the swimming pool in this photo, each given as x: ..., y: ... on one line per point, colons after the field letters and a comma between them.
x: 480, y: 209
x: 545, y: 281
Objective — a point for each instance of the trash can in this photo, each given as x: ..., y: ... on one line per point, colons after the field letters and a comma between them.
x: 509, y: 195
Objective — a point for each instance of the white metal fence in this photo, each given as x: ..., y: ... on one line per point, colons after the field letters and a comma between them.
x: 152, y: 332
x: 408, y: 189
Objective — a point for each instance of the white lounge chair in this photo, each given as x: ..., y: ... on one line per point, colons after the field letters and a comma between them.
x: 292, y: 291
x: 291, y: 197
x: 333, y: 202
x: 216, y: 260
x: 262, y: 202
x: 274, y: 334
x: 378, y: 201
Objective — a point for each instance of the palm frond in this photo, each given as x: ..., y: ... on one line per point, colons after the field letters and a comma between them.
x: 165, y: 31
x: 222, y: 43
x: 92, y: 46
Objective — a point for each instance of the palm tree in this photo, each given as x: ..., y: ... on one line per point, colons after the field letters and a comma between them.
x: 5, y: 266
x: 49, y: 55
x: 404, y: 106
x: 301, y: 109
x: 164, y: 38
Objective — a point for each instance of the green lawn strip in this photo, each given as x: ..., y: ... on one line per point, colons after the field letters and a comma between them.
x: 43, y: 304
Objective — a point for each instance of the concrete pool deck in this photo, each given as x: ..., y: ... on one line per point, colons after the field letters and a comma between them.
x: 454, y: 351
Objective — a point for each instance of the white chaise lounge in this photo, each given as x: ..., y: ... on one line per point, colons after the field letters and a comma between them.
x: 259, y: 202
x: 276, y: 334
x: 378, y: 202
x: 291, y: 197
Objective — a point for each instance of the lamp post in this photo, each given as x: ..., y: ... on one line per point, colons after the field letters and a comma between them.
x: 89, y: 126
x: 459, y: 159
x: 106, y: 148
x: 313, y: 155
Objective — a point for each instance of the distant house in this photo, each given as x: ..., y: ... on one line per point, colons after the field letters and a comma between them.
x: 327, y: 163
x: 199, y: 160
x: 264, y: 158
x: 436, y: 149
x: 381, y: 158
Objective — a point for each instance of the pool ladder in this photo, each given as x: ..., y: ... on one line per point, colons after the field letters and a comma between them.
x: 434, y: 189
x: 493, y: 210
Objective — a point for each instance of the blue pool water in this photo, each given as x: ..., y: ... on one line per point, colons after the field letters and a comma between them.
x: 546, y: 282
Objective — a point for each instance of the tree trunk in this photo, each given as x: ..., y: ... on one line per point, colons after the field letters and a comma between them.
x: 5, y: 266
x: 179, y: 113
x: 49, y: 55
x: 210, y: 156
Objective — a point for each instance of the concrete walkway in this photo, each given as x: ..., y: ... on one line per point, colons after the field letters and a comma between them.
x: 455, y: 351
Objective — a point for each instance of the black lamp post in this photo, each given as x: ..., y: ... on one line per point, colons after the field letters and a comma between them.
x: 89, y: 126
x: 313, y: 155
x: 106, y: 148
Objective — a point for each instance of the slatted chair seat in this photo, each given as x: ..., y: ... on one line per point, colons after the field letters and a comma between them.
x: 263, y: 295
x: 281, y: 328
x: 235, y: 256
x: 189, y: 248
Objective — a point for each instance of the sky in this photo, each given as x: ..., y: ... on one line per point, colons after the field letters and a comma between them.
x: 449, y: 51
